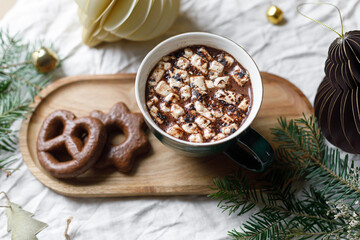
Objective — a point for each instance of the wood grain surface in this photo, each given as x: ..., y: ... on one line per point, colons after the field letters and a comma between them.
x: 162, y: 172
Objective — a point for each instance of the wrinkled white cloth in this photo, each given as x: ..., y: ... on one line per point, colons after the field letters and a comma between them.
x: 296, y: 51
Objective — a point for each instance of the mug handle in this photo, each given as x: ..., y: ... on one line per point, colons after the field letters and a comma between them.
x: 251, y: 151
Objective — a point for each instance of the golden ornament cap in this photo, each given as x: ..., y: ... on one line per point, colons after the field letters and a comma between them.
x: 44, y: 60
x: 275, y: 15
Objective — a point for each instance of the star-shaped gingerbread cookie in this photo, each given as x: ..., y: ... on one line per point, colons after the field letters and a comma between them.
x: 136, y: 143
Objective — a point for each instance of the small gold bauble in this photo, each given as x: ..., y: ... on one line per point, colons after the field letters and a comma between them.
x: 44, y: 60
x: 275, y: 15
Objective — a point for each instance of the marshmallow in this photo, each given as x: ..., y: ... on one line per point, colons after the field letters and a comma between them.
x: 163, y: 89
x: 197, y: 95
x: 198, y: 82
x: 182, y: 63
x: 217, y: 112
x: 196, y: 138
x: 209, y: 84
x: 180, y: 75
x: 227, y: 96
x: 202, y: 110
x: 202, y: 122
x: 190, y: 128
x: 188, y: 52
x: 190, y: 108
x: 239, y: 76
x: 175, y: 131
x: 154, y: 112
x: 181, y: 119
x: 216, y: 67
x: 172, y: 97
x: 229, y: 129
x: 156, y: 76
x: 177, y: 111
x: 168, y: 58
x: 165, y: 65
x: 175, y: 83
x: 199, y: 62
x: 213, y: 75
x: 185, y: 92
x: 227, y: 119
x: 244, y: 105
x: 209, y: 132
x: 164, y: 107
x: 221, y: 82
x: 152, y: 101
x: 229, y: 60
x: 218, y: 137
x: 202, y: 51
x: 226, y: 60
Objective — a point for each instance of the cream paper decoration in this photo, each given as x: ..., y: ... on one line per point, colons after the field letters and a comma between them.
x: 137, y: 20
x: 21, y: 223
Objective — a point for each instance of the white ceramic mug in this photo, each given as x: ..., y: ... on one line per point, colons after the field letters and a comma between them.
x: 245, y: 146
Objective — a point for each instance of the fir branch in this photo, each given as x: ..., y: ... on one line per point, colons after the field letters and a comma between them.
x: 13, y: 106
x: 327, y: 209
x: 299, y: 138
x: 15, y: 65
x: 19, y: 84
x: 262, y: 226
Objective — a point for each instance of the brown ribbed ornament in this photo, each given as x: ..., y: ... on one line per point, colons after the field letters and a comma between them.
x: 337, y: 101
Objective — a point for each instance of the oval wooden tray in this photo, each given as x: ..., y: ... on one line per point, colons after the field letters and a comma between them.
x: 162, y: 172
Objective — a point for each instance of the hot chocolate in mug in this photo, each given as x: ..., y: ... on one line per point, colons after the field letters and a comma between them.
x: 245, y: 146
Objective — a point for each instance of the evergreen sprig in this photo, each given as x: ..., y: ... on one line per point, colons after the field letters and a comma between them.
x: 328, y: 207
x: 19, y: 84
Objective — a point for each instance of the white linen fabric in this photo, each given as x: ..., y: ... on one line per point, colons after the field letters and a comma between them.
x: 296, y: 51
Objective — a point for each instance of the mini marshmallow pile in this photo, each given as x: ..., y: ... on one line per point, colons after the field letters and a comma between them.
x: 190, y: 96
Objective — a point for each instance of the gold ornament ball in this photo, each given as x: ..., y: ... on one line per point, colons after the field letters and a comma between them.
x: 44, y: 60
x: 275, y: 15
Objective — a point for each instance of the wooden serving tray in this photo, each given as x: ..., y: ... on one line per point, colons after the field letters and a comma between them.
x: 163, y: 171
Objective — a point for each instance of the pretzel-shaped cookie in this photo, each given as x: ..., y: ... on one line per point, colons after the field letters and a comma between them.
x: 68, y: 146
x: 136, y: 143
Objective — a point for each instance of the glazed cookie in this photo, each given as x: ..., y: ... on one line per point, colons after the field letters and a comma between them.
x: 68, y: 146
x: 136, y: 143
